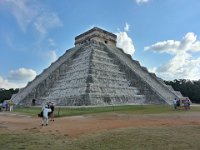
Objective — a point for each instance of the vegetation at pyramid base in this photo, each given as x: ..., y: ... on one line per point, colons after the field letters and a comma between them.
x: 188, y: 88
x: 6, y: 94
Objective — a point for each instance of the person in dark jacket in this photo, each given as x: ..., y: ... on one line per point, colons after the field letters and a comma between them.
x: 52, y: 107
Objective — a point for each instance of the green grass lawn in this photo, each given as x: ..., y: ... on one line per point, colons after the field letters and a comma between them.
x: 163, y: 137
x: 148, y: 138
x: 135, y: 109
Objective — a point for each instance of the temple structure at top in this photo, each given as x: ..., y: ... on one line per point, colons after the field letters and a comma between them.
x: 97, y: 34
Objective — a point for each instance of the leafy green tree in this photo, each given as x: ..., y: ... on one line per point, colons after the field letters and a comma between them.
x: 6, y: 94
x: 188, y: 88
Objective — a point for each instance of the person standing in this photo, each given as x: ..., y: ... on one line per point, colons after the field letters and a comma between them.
x: 187, y: 103
x: 178, y: 103
x: 11, y: 105
x: 45, y: 111
x: 52, y: 106
x: 6, y: 105
x: 175, y: 103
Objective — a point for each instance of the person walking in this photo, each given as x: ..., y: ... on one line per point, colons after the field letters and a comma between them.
x: 45, y: 111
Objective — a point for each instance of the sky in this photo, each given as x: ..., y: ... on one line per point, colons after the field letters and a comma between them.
x: 163, y: 35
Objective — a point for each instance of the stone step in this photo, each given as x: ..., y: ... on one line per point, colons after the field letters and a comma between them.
x: 99, y: 100
x: 101, y: 53
x: 114, y: 91
x: 72, y: 80
x: 103, y: 59
x: 99, y: 49
x: 99, y: 72
x: 75, y: 75
x: 74, y: 72
x: 81, y: 59
x: 65, y: 93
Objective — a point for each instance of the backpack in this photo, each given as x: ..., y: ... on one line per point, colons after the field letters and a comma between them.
x: 40, y: 114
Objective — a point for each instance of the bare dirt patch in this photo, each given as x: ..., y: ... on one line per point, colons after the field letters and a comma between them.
x: 82, y: 125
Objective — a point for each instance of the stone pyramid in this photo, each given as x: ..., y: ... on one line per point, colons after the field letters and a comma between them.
x: 96, y: 72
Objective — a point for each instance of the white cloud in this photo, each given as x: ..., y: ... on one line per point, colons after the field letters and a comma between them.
x: 22, y: 12
x: 17, y: 78
x: 189, y: 43
x: 51, y: 42
x: 141, y: 1
x: 190, y: 69
x: 22, y: 74
x: 188, y: 40
x: 31, y: 13
x: 52, y: 56
x: 182, y: 65
x: 169, y: 46
x: 6, y: 84
x: 126, y: 28
x: 124, y: 41
x: 47, y: 21
x: 195, y: 47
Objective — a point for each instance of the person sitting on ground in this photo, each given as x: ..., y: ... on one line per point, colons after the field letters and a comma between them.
x: 45, y: 111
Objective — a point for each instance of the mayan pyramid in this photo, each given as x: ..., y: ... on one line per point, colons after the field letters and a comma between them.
x: 96, y: 72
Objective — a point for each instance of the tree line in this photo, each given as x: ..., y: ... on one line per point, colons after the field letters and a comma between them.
x: 6, y: 94
x: 188, y: 88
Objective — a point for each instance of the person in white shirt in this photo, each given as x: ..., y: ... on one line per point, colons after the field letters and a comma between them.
x: 175, y: 103
x: 45, y: 110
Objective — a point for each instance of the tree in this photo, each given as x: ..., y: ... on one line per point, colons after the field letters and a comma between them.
x: 188, y: 88
x: 6, y: 94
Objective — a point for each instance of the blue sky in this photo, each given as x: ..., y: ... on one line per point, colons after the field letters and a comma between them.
x: 163, y: 35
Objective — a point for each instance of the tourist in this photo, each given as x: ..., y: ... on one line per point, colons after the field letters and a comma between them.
x: 1, y: 106
x: 52, y: 107
x: 175, y: 103
x: 6, y: 105
x: 45, y: 111
x: 11, y: 105
x: 178, y: 103
x: 187, y: 103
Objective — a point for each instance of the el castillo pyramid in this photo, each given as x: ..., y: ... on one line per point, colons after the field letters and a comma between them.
x: 96, y: 72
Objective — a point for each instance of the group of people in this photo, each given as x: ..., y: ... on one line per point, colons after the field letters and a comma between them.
x: 47, y: 111
x: 184, y: 103
x: 7, y: 105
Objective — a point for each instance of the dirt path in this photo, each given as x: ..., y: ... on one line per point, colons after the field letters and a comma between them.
x: 81, y: 125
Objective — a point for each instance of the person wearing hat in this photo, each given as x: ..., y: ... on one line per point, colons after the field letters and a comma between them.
x: 45, y: 111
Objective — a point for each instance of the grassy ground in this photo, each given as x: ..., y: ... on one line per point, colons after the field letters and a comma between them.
x: 136, y: 109
x: 160, y: 138
x: 152, y: 138
x: 164, y: 137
